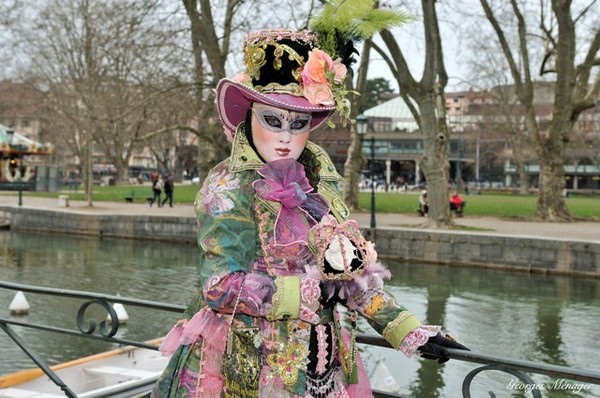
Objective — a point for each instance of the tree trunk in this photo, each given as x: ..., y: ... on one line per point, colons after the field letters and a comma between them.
x: 435, y: 164
x: 89, y: 176
x: 551, y: 204
x: 122, y: 170
x: 428, y: 95
x: 523, y: 178
x: 213, y: 147
x: 352, y: 167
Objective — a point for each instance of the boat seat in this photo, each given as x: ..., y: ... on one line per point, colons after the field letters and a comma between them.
x: 21, y: 393
x: 123, y: 372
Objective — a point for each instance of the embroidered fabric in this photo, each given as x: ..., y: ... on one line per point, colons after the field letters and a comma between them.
x: 310, y: 292
x: 417, y: 338
x: 210, y: 380
x: 285, y: 182
x: 326, y: 385
x: 322, y: 349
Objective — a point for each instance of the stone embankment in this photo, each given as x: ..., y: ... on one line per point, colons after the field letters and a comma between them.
x: 576, y: 253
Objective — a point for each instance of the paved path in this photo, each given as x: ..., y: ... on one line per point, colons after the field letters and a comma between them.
x: 584, y: 231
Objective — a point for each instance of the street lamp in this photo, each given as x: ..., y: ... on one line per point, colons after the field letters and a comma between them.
x: 11, y: 136
x: 361, y: 129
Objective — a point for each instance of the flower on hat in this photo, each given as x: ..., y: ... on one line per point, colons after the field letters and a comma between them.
x: 316, y: 68
x: 323, y: 80
x: 319, y: 94
x: 339, y: 70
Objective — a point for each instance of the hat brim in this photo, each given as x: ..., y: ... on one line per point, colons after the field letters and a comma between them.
x: 233, y: 100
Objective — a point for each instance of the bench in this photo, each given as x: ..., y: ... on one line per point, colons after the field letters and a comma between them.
x: 137, y: 194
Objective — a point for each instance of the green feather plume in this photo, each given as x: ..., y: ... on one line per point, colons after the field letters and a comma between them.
x: 344, y: 21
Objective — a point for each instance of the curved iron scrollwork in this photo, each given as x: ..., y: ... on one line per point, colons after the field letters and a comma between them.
x: 528, y: 383
x: 90, y: 326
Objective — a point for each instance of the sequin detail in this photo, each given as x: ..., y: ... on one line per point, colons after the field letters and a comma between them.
x: 287, y: 362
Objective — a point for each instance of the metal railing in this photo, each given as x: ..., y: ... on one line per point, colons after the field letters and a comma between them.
x: 106, y: 331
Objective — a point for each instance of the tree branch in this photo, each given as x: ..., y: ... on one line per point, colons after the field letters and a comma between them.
x: 400, y: 67
x: 168, y: 129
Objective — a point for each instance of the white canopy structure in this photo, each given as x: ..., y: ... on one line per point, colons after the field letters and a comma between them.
x: 20, y: 145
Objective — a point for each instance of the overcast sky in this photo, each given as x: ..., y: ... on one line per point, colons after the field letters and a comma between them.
x: 411, y: 41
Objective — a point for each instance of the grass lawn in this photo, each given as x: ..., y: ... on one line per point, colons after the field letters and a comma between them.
x: 487, y: 204
x: 183, y: 193
x: 494, y: 205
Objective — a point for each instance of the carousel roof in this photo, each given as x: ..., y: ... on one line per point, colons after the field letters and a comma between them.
x: 21, y: 144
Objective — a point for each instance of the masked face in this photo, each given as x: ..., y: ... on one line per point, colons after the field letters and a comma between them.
x: 279, y: 134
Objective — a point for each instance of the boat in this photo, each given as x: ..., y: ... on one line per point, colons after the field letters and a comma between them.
x: 123, y: 372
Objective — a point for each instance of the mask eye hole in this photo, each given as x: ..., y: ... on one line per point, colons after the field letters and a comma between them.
x: 299, y: 124
x: 272, y: 121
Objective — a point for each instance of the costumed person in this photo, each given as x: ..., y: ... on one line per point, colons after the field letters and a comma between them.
x: 278, y: 252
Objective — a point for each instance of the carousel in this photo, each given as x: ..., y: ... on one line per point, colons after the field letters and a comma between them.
x: 15, y: 171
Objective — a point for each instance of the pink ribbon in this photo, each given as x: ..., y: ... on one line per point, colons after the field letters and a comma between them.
x: 285, y: 182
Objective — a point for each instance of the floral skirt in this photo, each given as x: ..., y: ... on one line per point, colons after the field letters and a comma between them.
x: 196, y: 366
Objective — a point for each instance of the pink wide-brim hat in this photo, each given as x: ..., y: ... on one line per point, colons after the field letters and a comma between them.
x: 233, y: 100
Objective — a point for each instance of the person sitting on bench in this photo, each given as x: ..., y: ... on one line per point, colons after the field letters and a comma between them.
x: 456, y: 204
x: 423, y: 204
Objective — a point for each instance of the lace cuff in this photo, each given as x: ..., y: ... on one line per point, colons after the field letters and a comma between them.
x: 417, y: 338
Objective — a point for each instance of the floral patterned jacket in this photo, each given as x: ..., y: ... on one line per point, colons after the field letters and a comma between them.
x: 262, y: 234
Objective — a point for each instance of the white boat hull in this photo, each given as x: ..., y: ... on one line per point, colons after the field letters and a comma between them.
x: 124, y: 372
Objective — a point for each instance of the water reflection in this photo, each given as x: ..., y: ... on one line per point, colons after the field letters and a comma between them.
x: 533, y: 317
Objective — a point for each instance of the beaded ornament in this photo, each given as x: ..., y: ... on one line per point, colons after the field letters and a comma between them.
x: 329, y: 233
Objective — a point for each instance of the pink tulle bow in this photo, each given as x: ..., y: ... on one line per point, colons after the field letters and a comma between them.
x: 285, y: 182
x: 205, y: 324
x: 171, y: 341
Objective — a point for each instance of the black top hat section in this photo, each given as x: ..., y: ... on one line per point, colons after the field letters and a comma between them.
x: 283, y: 66
x: 274, y: 59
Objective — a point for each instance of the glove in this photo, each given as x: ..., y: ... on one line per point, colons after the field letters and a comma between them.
x: 435, y: 348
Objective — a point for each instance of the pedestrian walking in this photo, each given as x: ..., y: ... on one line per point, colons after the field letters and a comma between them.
x: 157, y: 187
x: 169, y: 187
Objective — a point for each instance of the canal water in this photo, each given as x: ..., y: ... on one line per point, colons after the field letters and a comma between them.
x: 555, y: 320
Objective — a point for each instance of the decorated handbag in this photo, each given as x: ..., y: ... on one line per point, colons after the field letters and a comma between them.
x: 242, y: 361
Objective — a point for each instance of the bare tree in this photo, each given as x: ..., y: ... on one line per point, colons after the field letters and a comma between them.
x: 105, y: 66
x: 425, y: 99
x: 507, y: 118
x: 213, y: 30
x: 9, y: 15
x: 575, y: 88
x: 504, y: 116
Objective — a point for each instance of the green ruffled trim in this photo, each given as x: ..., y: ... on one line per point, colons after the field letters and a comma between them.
x: 286, y: 300
x: 396, y: 330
